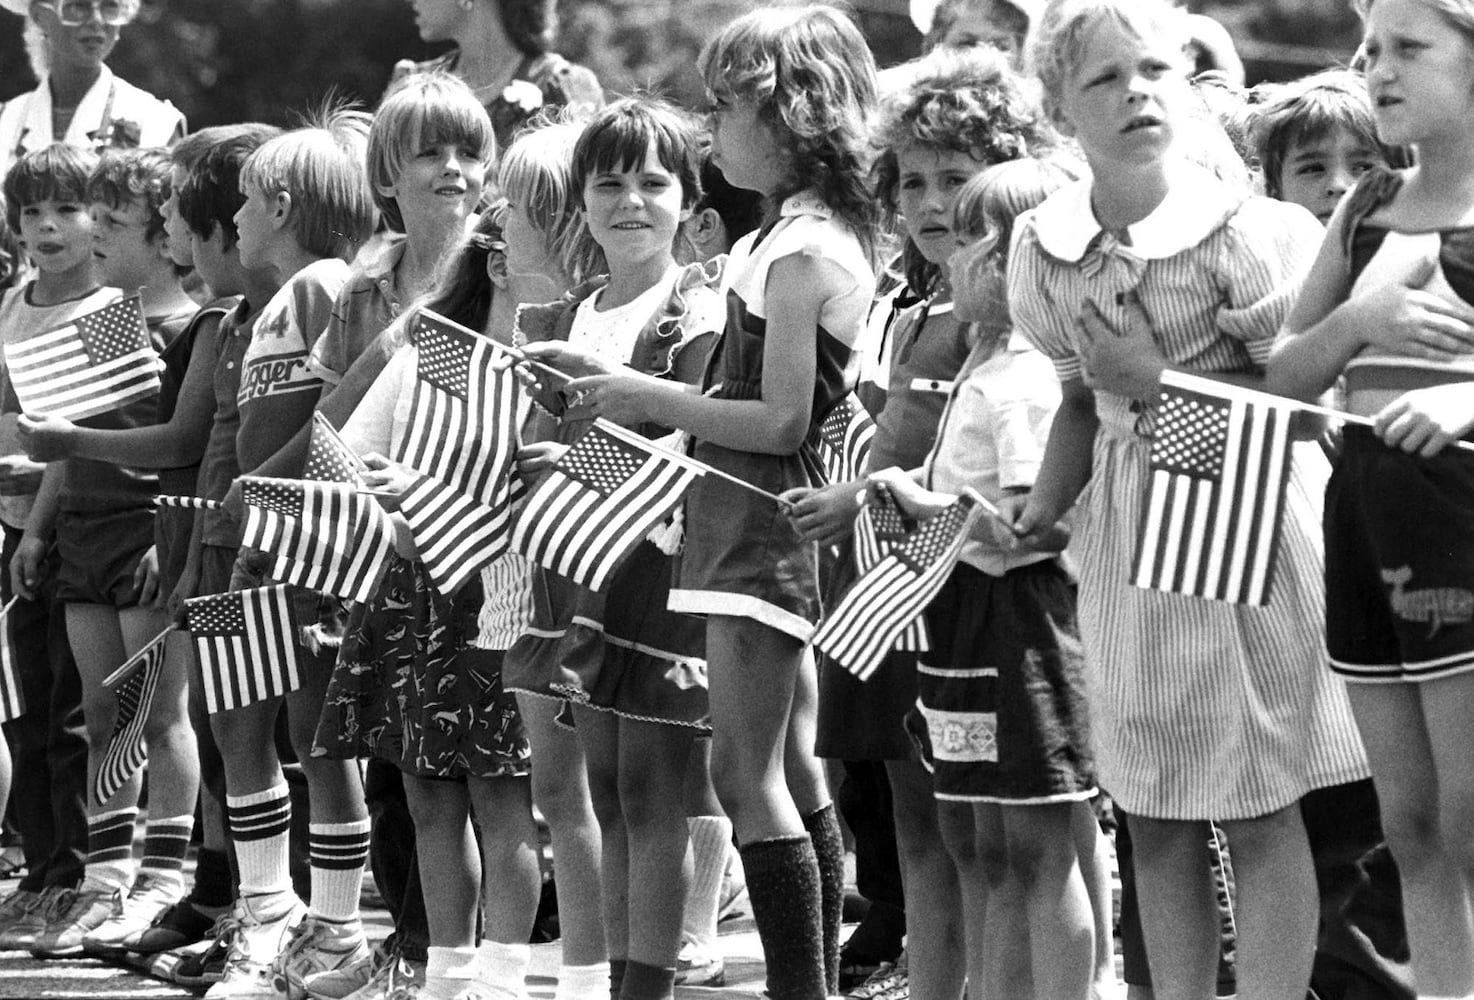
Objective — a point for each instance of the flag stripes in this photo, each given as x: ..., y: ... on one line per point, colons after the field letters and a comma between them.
x: 323, y: 536
x: 126, y: 752
x: 871, y: 616
x: 454, y: 534
x: 1219, y: 470
x: 879, y: 526
x: 247, y: 645
x: 599, y: 501
x: 12, y: 698
x: 844, y: 440
x: 93, y: 364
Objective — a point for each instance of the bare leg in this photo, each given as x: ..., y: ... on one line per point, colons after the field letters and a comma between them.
x: 1277, y: 908
x: 1094, y: 850
x: 450, y: 871
x: 937, y: 960
x: 1179, y: 919
x: 1043, y: 863
x: 598, y: 736
x: 652, y: 767
x: 512, y: 881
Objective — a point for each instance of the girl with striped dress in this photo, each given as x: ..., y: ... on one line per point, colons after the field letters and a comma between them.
x: 1199, y: 709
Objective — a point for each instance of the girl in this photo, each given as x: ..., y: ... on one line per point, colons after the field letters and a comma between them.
x: 1388, y: 306
x: 961, y: 112
x: 791, y: 90
x: 1200, y: 709
x: 635, y: 672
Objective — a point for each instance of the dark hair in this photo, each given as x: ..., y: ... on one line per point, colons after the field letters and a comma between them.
x: 54, y: 173
x: 125, y: 177
x: 965, y: 101
x: 1004, y: 13
x: 740, y: 210
x: 617, y: 139
x: 1308, y: 109
x: 530, y: 24
x: 211, y: 194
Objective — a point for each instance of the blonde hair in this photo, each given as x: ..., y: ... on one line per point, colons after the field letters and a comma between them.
x: 1458, y: 13
x: 1066, y: 25
x: 321, y: 167
x: 423, y: 109
x: 537, y: 172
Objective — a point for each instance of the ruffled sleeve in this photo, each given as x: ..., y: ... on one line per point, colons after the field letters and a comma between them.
x: 1035, y: 311
x: 1266, y: 250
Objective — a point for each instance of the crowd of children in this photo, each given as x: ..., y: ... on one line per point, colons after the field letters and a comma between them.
x: 1000, y: 249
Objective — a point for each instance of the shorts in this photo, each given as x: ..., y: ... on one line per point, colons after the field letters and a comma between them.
x: 1399, y: 562
x: 1000, y: 696
x: 217, y: 563
x: 100, y: 552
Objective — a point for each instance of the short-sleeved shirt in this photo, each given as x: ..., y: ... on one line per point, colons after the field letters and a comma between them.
x: 928, y: 349
x: 368, y: 303
x: 218, y: 465
x: 992, y: 437
x: 278, y: 390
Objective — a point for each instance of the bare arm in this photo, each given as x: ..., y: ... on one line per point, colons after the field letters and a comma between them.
x: 1067, y: 461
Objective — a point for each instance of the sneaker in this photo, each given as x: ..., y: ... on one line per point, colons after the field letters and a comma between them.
x: 694, y: 968
x: 889, y: 982
x: 180, y: 926
x: 259, y: 928
x: 317, y: 946
x: 15, y: 907
x: 345, y: 980
x: 74, y: 914
x: 397, y: 979
x: 150, y: 898
x: 202, y: 964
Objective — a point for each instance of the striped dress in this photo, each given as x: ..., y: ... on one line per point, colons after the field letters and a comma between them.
x: 1199, y: 709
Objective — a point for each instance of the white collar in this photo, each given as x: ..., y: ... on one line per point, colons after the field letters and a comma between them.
x: 805, y: 203
x: 85, y: 119
x: 1197, y: 203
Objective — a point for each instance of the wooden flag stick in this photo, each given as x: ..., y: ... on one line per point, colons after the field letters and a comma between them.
x: 133, y: 660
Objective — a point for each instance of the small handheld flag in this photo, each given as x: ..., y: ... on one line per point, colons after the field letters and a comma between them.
x: 125, y: 752
x: 879, y: 527
x: 324, y: 535
x: 12, y: 698
x: 93, y: 364
x: 247, y: 645
x: 844, y: 440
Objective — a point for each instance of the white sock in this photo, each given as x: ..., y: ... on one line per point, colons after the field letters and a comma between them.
x: 451, y: 963
x: 503, y: 967
x: 260, y: 824
x: 583, y: 982
x: 337, y: 852
x: 110, y: 848
x: 711, y: 839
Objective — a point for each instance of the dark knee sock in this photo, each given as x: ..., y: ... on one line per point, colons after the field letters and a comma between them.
x: 647, y: 982
x: 212, y: 882
x: 823, y: 827
x: 617, y: 967
x: 783, y: 885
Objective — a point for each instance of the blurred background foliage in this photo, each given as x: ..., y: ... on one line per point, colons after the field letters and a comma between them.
x: 240, y: 60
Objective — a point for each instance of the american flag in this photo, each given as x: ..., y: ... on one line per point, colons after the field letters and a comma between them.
x: 844, y: 440
x: 599, y: 501
x: 93, y: 364
x: 464, y: 430
x: 880, y: 526
x: 125, y: 751
x: 323, y: 535
x: 246, y: 641
x: 329, y: 459
x: 876, y: 610
x: 1219, y: 467
x: 12, y: 699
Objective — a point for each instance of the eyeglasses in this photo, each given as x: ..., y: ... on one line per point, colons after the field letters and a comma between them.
x: 111, y: 12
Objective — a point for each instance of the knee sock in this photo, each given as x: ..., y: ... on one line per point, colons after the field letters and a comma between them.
x: 503, y: 969
x: 110, y: 848
x: 616, y: 977
x: 338, y: 852
x: 647, y: 982
x: 582, y: 982
x: 260, y: 824
x: 165, y: 842
x: 711, y: 838
x: 783, y: 886
x: 823, y: 827
x: 212, y: 890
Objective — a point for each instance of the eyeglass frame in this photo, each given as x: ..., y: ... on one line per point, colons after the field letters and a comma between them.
x: 128, y: 9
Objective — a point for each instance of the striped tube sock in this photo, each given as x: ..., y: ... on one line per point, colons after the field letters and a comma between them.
x: 110, y: 847
x: 260, y: 824
x: 165, y: 842
x: 823, y: 827
x: 338, y: 852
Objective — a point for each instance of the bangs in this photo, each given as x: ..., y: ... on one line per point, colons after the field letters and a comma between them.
x: 56, y: 173
x: 620, y: 138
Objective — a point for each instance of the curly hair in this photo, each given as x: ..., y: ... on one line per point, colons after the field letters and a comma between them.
x: 812, y: 77
x: 965, y: 101
x: 140, y: 177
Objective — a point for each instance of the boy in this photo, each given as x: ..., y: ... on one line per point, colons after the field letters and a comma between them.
x: 46, y: 207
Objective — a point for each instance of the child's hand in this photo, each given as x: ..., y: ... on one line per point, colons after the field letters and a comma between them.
x: 1032, y: 532
x: 25, y: 567
x: 1127, y: 362
x: 825, y: 515
x: 914, y: 499
x: 146, y: 580
x: 1403, y: 318
x: 19, y: 476
x: 569, y: 360
x: 388, y: 481
x: 533, y: 460
x: 1425, y: 421
x: 623, y: 398
x: 46, y: 439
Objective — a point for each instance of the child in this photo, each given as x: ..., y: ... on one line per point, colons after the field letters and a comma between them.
x: 635, y: 672
x: 103, y: 521
x: 1387, y: 309
x: 1199, y: 709
x: 963, y: 24
x: 308, y: 207
x: 1315, y: 138
x: 1024, y: 769
x: 791, y: 88
x: 961, y: 112
x: 47, y: 208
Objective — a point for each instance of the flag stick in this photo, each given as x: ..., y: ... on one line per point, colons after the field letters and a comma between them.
x: 194, y: 503
x: 1356, y: 418
x: 8, y: 605
x: 135, y: 659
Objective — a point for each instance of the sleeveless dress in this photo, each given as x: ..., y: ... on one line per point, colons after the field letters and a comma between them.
x: 743, y: 556
x: 1199, y: 709
x: 1399, y: 527
x: 621, y: 650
